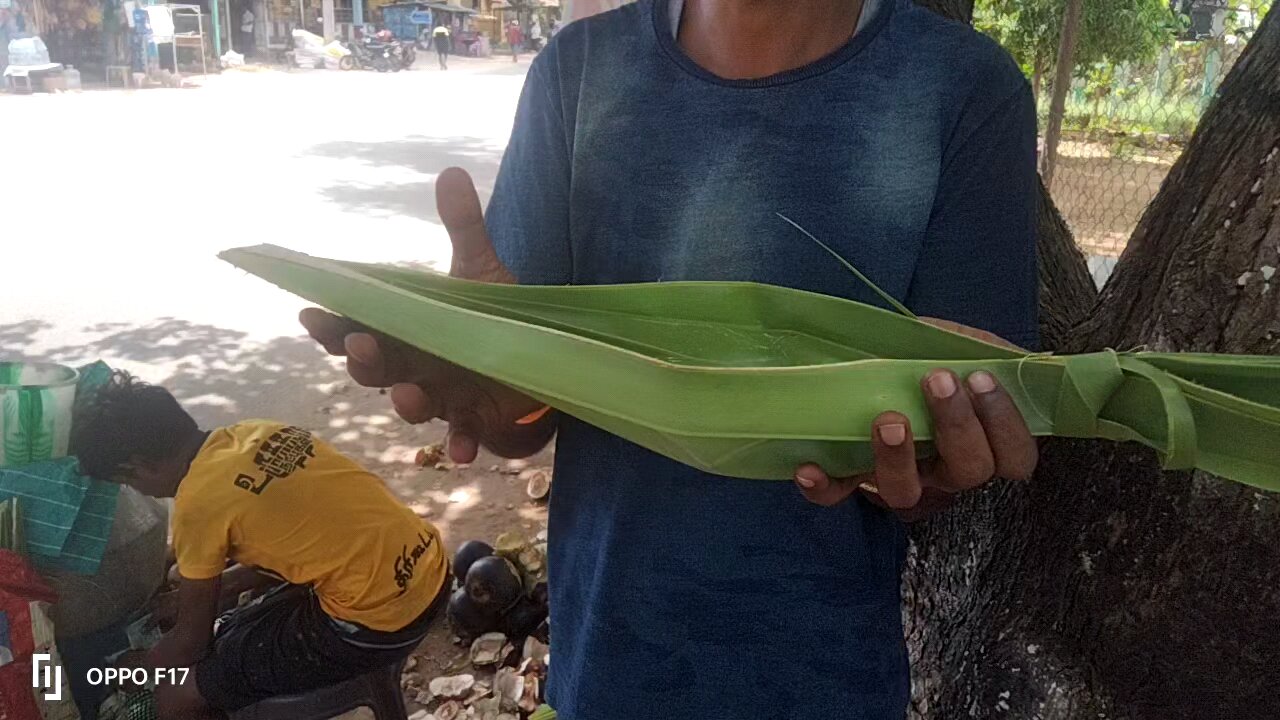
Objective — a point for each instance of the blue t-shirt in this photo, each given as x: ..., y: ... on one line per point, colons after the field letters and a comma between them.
x: 911, y: 151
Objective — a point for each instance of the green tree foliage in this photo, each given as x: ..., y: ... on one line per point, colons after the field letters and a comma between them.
x: 1112, y: 31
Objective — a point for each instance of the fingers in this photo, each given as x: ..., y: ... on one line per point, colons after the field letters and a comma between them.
x: 327, y: 329
x: 461, y: 447
x: 897, y: 476
x: 1008, y: 436
x: 459, y: 207
x: 978, y: 433
x: 365, y: 361
x: 965, y: 459
x: 820, y: 489
x: 412, y: 404
x: 380, y: 361
x: 895, y: 481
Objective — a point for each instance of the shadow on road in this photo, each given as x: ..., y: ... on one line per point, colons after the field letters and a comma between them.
x: 15, y: 337
x: 426, y: 156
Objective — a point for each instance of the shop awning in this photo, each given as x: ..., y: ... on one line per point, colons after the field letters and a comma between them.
x: 445, y: 7
x: 442, y: 7
x: 503, y: 4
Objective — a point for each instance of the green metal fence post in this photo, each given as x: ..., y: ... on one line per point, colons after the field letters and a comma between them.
x: 217, y: 29
x: 1212, y: 63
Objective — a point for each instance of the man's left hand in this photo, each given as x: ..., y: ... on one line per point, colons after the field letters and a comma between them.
x: 979, y: 434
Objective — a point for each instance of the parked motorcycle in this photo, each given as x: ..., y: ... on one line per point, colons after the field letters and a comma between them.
x: 373, y: 55
x: 404, y: 50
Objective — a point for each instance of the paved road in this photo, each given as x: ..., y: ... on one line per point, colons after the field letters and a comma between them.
x: 115, y: 204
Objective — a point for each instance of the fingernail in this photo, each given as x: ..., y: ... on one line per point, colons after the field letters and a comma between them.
x: 802, y: 477
x: 942, y: 385
x: 358, y: 351
x: 981, y: 382
x: 893, y: 435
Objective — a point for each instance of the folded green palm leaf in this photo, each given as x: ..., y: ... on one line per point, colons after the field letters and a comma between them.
x: 750, y: 380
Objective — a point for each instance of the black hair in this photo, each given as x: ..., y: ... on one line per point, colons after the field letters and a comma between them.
x: 126, y: 419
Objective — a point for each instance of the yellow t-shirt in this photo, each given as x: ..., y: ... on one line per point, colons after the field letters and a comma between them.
x: 275, y: 497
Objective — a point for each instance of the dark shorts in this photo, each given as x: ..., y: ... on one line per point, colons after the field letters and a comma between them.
x: 283, y: 643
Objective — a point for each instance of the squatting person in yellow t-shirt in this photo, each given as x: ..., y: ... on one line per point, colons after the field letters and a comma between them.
x: 363, y: 575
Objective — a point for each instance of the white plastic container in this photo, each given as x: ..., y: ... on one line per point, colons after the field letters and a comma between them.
x: 36, y: 401
x: 72, y: 78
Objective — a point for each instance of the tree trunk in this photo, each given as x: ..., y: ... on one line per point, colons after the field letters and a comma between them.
x: 1037, y: 78
x: 1061, y: 86
x: 1106, y: 588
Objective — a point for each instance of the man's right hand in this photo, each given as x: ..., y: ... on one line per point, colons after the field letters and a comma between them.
x: 479, y: 411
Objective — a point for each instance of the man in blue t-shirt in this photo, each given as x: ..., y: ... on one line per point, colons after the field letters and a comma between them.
x: 659, y: 142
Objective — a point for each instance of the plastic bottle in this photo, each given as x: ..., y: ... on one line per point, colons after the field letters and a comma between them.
x: 72, y: 76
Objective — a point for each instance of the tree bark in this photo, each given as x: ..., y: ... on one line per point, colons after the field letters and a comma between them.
x: 1061, y: 86
x: 1106, y: 588
x: 1037, y: 78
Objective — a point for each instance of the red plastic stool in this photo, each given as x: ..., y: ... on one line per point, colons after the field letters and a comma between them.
x: 379, y: 691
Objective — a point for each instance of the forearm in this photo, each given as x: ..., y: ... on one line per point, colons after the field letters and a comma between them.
x: 191, y: 636
x: 177, y: 649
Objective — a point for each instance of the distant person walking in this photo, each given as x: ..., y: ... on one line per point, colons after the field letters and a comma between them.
x: 535, y: 35
x: 514, y: 38
x: 246, y: 31
x: 443, y: 40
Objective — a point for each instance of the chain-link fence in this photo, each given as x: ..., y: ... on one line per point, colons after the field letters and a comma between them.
x: 1125, y: 123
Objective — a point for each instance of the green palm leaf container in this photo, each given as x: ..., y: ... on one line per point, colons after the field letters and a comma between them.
x: 749, y: 380
x: 36, y: 401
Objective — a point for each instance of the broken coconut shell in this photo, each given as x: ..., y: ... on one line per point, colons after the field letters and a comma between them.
x: 452, y: 687
x: 494, y: 584
x: 533, y: 559
x: 509, y: 545
x: 537, y: 483
x: 468, y: 618
x: 535, y: 650
x: 429, y: 455
x: 488, y: 649
x: 508, y: 687
x: 532, y: 696
x: 487, y: 709
x: 451, y: 710
x: 469, y: 552
x: 478, y: 693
